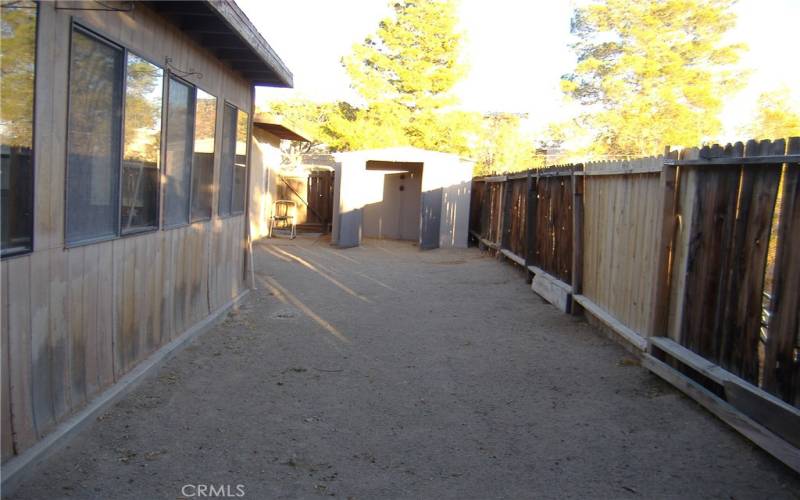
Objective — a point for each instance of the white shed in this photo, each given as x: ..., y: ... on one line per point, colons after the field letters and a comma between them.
x: 402, y: 193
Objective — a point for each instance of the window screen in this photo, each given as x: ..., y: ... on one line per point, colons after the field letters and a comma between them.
x: 93, y: 139
x: 140, y: 162
x: 17, y: 62
x: 227, y: 157
x: 178, y: 160
x: 240, y: 164
x: 205, y: 121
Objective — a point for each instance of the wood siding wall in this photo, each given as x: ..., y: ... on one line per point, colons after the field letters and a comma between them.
x: 75, y: 320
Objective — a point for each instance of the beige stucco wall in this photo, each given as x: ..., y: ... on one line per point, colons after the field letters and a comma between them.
x: 264, y: 165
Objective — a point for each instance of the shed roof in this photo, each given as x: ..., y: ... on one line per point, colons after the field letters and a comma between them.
x: 398, y: 154
x: 277, y: 127
x: 223, y: 29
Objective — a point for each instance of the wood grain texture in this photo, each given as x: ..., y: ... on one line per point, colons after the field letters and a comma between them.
x: 620, y: 235
x: 781, y: 369
x: 81, y: 318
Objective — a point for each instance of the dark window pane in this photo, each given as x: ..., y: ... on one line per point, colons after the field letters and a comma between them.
x: 227, y: 157
x: 240, y: 164
x: 205, y: 120
x: 17, y: 62
x: 95, y: 120
x: 140, y: 163
x: 178, y: 162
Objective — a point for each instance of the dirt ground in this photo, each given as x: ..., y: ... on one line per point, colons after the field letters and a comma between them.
x: 383, y: 372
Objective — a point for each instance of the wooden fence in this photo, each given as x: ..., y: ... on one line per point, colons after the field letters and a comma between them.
x: 693, y: 258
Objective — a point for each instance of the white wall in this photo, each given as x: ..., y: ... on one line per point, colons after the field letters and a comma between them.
x: 264, y: 164
x: 358, y: 190
x: 396, y: 214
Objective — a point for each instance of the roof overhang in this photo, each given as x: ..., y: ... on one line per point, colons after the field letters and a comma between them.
x: 223, y: 29
x: 277, y: 127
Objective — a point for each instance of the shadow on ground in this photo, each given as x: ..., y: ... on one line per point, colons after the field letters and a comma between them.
x: 383, y: 372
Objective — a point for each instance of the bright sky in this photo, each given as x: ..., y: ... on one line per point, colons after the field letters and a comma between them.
x: 516, y: 50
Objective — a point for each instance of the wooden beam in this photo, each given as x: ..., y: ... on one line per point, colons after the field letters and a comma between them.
x: 512, y: 256
x: 661, y: 281
x: 753, y: 160
x: 577, y: 236
x: 746, y: 426
x: 766, y: 409
x: 551, y: 289
x: 505, y: 210
x: 611, y: 322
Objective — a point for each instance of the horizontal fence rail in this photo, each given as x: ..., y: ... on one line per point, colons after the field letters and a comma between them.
x: 692, y: 257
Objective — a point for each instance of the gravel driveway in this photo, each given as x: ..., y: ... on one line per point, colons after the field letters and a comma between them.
x: 385, y: 372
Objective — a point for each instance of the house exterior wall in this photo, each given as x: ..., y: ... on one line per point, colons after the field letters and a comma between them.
x: 265, y: 164
x: 75, y: 320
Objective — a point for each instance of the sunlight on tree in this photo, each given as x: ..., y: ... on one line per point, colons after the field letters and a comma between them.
x: 777, y: 116
x: 652, y: 73
x: 405, y: 73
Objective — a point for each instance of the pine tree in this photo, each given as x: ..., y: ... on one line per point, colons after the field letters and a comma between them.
x: 652, y: 73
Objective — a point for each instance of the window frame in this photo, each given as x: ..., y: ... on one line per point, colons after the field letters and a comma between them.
x: 194, y: 136
x: 75, y: 25
x: 161, y: 150
x: 231, y: 213
x: 97, y: 34
x: 164, y: 126
x: 34, y: 108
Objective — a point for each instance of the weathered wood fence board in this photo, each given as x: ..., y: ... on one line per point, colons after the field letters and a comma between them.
x: 672, y: 246
x: 782, y: 369
x: 620, y: 235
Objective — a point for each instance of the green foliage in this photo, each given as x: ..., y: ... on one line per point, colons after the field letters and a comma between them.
x: 778, y: 116
x: 502, y: 146
x: 143, y: 111
x: 652, y: 73
x: 405, y: 73
x: 17, y: 57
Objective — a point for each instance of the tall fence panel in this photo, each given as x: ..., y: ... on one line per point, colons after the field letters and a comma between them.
x: 691, y: 257
x: 620, y: 234
x: 553, y: 240
x: 719, y: 274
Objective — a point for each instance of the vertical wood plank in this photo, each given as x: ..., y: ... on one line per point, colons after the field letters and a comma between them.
x: 58, y: 322
x: 577, y: 238
x: 782, y: 372
x: 128, y: 292
x: 742, y: 320
x: 118, y: 307
x: 90, y: 308
x: 105, y: 308
x: 19, y: 328
x: 40, y: 342
x: 5, y: 375
x: 76, y: 339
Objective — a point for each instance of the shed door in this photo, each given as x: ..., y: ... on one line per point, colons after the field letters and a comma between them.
x: 431, y: 216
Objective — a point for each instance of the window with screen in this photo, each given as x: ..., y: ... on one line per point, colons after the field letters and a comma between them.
x: 227, y: 158
x: 93, y: 138
x: 178, y: 157
x: 17, y: 62
x: 240, y: 164
x: 142, y: 151
x: 205, y: 121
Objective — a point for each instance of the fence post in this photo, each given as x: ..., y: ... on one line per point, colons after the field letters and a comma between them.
x: 661, y: 282
x: 530, y: 222
x: 505, y: 217
x: 577, y: 235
